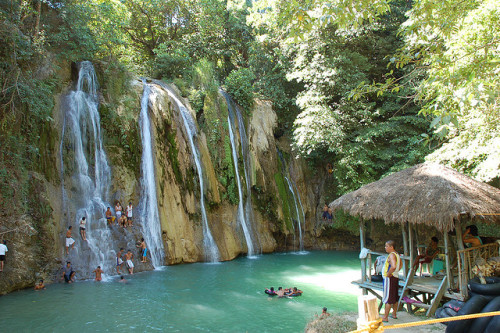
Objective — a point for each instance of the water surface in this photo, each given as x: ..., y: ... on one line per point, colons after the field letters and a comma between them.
x: 202, y: 297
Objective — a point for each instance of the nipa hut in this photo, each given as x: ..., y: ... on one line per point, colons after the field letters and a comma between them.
x: 432, y: 195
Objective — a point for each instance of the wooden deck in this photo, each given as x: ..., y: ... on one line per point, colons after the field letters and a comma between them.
x: 421, y: 284
x: 426, y: 291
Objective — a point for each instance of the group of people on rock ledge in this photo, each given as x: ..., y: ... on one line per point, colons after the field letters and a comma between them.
x: 124, y: 220
x: 68, y: 274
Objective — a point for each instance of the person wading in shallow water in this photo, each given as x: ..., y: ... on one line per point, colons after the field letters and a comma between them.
x: 40, y: 285
x: 98, y: 271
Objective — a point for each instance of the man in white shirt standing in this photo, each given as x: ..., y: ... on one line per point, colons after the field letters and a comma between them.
x: 3, y: 250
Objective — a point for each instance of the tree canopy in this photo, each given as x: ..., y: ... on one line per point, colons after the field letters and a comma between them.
x: 371, y: 86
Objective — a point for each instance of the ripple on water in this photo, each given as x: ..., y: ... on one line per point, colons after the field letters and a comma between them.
x: 203, y: 297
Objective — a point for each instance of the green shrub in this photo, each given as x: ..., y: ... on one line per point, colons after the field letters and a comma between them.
x: 239, y: 84
x: 171, y: 65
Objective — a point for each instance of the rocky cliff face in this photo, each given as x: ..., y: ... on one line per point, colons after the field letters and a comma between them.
x: 275, y: 220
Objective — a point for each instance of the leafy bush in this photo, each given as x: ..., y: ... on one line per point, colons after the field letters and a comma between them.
x: 171, y: 65
x: 239, y: 84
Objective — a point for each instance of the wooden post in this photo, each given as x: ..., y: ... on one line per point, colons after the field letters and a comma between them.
x: 369, y: 266
x: 449, y: 276
x: 363, y: 261
x: 405, y: 248
x: 412, y: 246
x: 460, y: 246
x: 367, y: 310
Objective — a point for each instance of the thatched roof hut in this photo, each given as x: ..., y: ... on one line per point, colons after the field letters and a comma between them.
x: 429, y: 194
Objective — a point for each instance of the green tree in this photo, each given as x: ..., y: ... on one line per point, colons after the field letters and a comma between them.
x: 364, y: 138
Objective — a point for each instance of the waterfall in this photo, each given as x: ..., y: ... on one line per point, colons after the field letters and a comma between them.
x: 209, y: 245
x: 300, y: 218
x: 84, y: 160
x: 150, y: 220
x: 241, y: 214
x: 247, y: 220
x: 298, y: 221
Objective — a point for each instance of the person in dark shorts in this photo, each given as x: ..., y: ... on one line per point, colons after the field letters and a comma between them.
x: 391, y: 283
x: 68, y: 273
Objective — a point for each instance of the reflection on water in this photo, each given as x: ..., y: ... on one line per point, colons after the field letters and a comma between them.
x: 223, y: 297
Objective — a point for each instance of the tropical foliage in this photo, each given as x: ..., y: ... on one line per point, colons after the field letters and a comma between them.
x: 370, y: 86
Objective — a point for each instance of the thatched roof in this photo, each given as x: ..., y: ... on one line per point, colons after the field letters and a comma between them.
x: 429, y: 194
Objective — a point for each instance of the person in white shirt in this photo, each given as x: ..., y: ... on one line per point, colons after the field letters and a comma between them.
x: 3, y: 250
x: 129, y: 214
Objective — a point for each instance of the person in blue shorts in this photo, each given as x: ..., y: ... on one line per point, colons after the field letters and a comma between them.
x: 144, y: 250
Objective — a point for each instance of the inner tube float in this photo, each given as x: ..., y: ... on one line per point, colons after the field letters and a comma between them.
x: 493, y: 326
x: 480, y: 324
x: 445, y: 313
x: 270, y: 292
x: 294, y: 295
x: 492, y: 286
x: 473, y: 305
x: 454, y: 304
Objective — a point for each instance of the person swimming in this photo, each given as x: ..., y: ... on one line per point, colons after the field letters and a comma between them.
x: 292, y: 292
x: 270, y: 291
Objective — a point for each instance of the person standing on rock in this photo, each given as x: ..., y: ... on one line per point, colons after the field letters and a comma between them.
x: 83, y: 233
x: 118, y: 210
x: 129, y: 213
x: 119, y: 261
x: 144, y: 250
x: 325, y: 212
x: 128, y: 257
x: 69, y: 240
x: 3, y: 250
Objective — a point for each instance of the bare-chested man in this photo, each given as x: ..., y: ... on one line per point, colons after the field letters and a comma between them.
x: 128, y: 257
x: 40, y: 285
x: 144, y: 250
x: 98, y: 271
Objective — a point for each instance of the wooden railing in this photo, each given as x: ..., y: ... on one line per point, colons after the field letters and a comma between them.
x: 367, y: 266
x: 467, y: 259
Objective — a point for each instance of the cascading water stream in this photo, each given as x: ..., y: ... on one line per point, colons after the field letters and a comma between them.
x: 295, y: 194
x: 292, y: 190
x: 150, y: 219
x: 241, y: 214
x: 234, y: 112
x: 301, y: 247
x: 82, y: 151
x: 210, y: 247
